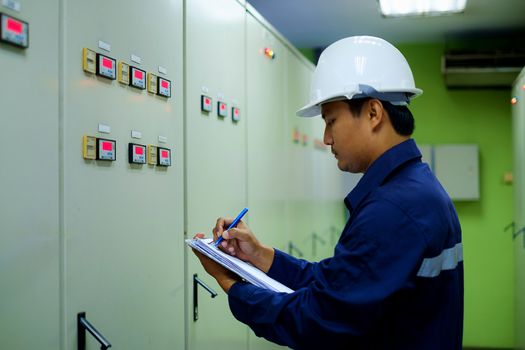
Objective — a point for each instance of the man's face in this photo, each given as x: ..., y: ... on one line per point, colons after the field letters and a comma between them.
x: 347, y: 135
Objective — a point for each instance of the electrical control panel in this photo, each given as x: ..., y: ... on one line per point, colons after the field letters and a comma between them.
x: 123, y: 73
x: 222, y: 109
x: 14, y: 31
x: 89, y: 147
x: 89, y: 60
x: 152, y: 83
x: 106, y: 67
x: 164, y: 86
x: 236, y: 114
x: 206, y: 103
x: 138, y: 78
x: 163, y: 156
x: 106, y: 149
x: 152, y: 155
x: 136, y: 153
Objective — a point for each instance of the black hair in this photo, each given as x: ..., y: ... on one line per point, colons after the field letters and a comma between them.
x: 400, y: 116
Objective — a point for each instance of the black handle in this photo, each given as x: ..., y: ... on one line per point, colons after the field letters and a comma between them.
x: 292, y: 247
x: 82, y: 325
x: 196, y: 282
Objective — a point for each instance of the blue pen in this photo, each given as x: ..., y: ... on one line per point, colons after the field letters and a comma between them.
x: 233, y: 224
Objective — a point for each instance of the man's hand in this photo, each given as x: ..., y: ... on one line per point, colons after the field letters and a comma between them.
x: 225, y: 278
x: 242, y: 243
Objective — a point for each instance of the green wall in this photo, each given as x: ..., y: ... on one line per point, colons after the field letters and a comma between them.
x: 482, y: 117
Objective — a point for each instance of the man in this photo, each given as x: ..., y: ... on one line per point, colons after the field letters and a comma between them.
x: 396, y: 278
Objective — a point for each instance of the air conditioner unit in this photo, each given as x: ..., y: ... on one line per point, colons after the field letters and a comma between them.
x: 476, y: 69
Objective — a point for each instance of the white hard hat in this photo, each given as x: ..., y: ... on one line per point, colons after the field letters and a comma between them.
x: 360, y: 66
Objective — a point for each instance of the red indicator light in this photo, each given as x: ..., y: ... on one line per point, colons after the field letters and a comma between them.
x: 107, y: 146
x: 514, y: 100
x: 207, y: 101
x: 14, y: 26
x: 164, y: 84
x: 164, y: 154
x: 236, y: 111
x: 106, y: 62
x: 139, y: 150
x: 138, y: 74
x: 223, y: 106
x: 523, y: 87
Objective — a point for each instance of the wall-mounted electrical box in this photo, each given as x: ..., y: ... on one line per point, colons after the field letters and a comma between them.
x: 222, y: 109
x: 206, y: 103
x: 163, y: 156
x: 164, y: 86
x: 89, y: 60
x: 138, y: 78
x: 106, y: 149
x: 14, y: 31
x: 136, y: 153
x: 106, y: 67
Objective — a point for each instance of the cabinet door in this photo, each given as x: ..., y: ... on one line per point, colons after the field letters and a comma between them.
x: 124, y: 223
x: 215, y: 154
x: 29, y: 178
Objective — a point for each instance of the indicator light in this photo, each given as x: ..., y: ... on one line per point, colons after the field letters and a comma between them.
x: 269, y: 53
x: 138, y: 78
x: 106, y: 67
x: 164, y: 87
x: 206, y: 103
x: 14, y: 31
x: 514, y: 100
x: 136, y: 153
x: 222, y: 109
x: 163, y: 156
x: 106, y: 149
x: 236, y: 114
x: 523, y: 87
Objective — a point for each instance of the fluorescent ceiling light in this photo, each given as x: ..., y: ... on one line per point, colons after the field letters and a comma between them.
x: 398, y: 8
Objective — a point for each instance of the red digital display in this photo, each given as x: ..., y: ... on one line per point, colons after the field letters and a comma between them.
x: 164, y: 84
x: 236, y: 111
x: 106, y: 62
x: 139, y: 150
x: 207, y: 101
x: 14, y: 26
x: 223, y: 106
x: 138, y: 74
x: 107, y: 146
x: 164, y: 154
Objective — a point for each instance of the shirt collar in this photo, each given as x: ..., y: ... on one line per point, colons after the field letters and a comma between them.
x: 380, y: 169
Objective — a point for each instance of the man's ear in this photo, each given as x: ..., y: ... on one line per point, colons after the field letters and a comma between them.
x: 376, y: 113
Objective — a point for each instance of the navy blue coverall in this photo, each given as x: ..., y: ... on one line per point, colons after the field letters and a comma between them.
x: 395, y: 280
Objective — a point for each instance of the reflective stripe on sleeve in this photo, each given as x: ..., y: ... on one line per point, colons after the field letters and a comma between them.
x: 447, y: 260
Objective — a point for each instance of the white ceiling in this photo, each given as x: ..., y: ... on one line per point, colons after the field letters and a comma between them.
x: 318, y: 23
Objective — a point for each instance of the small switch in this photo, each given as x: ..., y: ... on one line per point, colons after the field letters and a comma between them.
x: 136, y: 153
x: 123, y: 73
x: 14, y: 31
x: 106, y: 67
x: 89, y: 147
x: 206, y: 103
x: 89, y: 60
x: 152, y: 83
x: 106, y: 149
x: 164, y: 156
x: 222, y: 109
x: 152, y: 155
x: 138, y: 78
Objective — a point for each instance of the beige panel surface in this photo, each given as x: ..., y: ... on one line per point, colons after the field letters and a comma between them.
x: 29, y: 199
x: 215, y: 154
x: 124, y: 223
x: 518, y: 128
